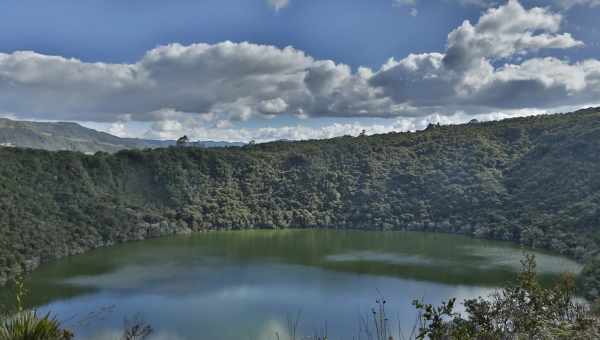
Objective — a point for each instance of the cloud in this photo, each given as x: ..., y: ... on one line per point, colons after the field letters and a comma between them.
x: 572, y: 3
x: 173, y: 129
x: 480, y: 3
x: 406, y: 2
x: 492, y: 65
x: 273, y: 106
x: 566, y: 4
x: 464, y: 76
x: 412, y: 4
x: 502, y: 32
x: 231, y: 81
x: 278, y: 4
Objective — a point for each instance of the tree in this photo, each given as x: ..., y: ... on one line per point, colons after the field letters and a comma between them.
x: 183, y: 141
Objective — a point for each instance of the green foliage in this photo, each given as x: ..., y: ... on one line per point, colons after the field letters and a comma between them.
x: 524, y: 310
x: 528, y: 180
x: 20, y: 293
x: 433, y: 320
x: 27, y: 325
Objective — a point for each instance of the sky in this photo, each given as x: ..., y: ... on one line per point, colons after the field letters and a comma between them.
x: 241, y: 70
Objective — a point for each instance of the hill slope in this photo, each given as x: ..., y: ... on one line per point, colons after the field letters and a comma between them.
x: 529, y: 180
x: 74, y: 137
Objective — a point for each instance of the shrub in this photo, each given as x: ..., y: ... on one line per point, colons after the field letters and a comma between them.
x: 523, y: 310
x: 28, y: 325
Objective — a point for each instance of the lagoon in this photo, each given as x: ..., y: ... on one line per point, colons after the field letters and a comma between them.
x: 251, y: 284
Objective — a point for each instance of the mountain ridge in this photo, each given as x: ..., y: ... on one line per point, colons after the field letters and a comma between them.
x: 68, y: 136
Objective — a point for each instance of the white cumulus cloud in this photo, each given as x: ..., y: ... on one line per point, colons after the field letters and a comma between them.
x: 278, y: 4
x: 464, y: 76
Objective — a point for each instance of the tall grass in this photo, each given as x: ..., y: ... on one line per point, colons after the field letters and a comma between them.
x: 28, y: 325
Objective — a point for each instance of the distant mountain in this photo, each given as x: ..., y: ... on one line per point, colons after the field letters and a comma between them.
x: 74, y: 137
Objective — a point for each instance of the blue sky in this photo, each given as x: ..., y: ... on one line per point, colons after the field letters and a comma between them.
x: 50, y: 53
x: 363, y: 32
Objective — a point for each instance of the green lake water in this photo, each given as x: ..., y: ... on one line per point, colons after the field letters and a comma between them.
x: 249, y: 284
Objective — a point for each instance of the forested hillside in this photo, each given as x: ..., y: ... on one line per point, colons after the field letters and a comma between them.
x: 531, y: 180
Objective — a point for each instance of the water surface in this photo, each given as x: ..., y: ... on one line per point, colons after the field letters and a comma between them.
x: 250, y: 284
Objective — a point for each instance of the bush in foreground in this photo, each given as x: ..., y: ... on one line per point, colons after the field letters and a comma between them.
x: 523, y: 310
x: 28, y: 325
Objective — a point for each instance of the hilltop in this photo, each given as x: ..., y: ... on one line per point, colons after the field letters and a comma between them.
x: 74, y: 137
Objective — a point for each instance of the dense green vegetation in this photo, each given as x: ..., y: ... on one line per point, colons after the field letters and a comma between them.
x: 522, y: 310
x: 529, y: 180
